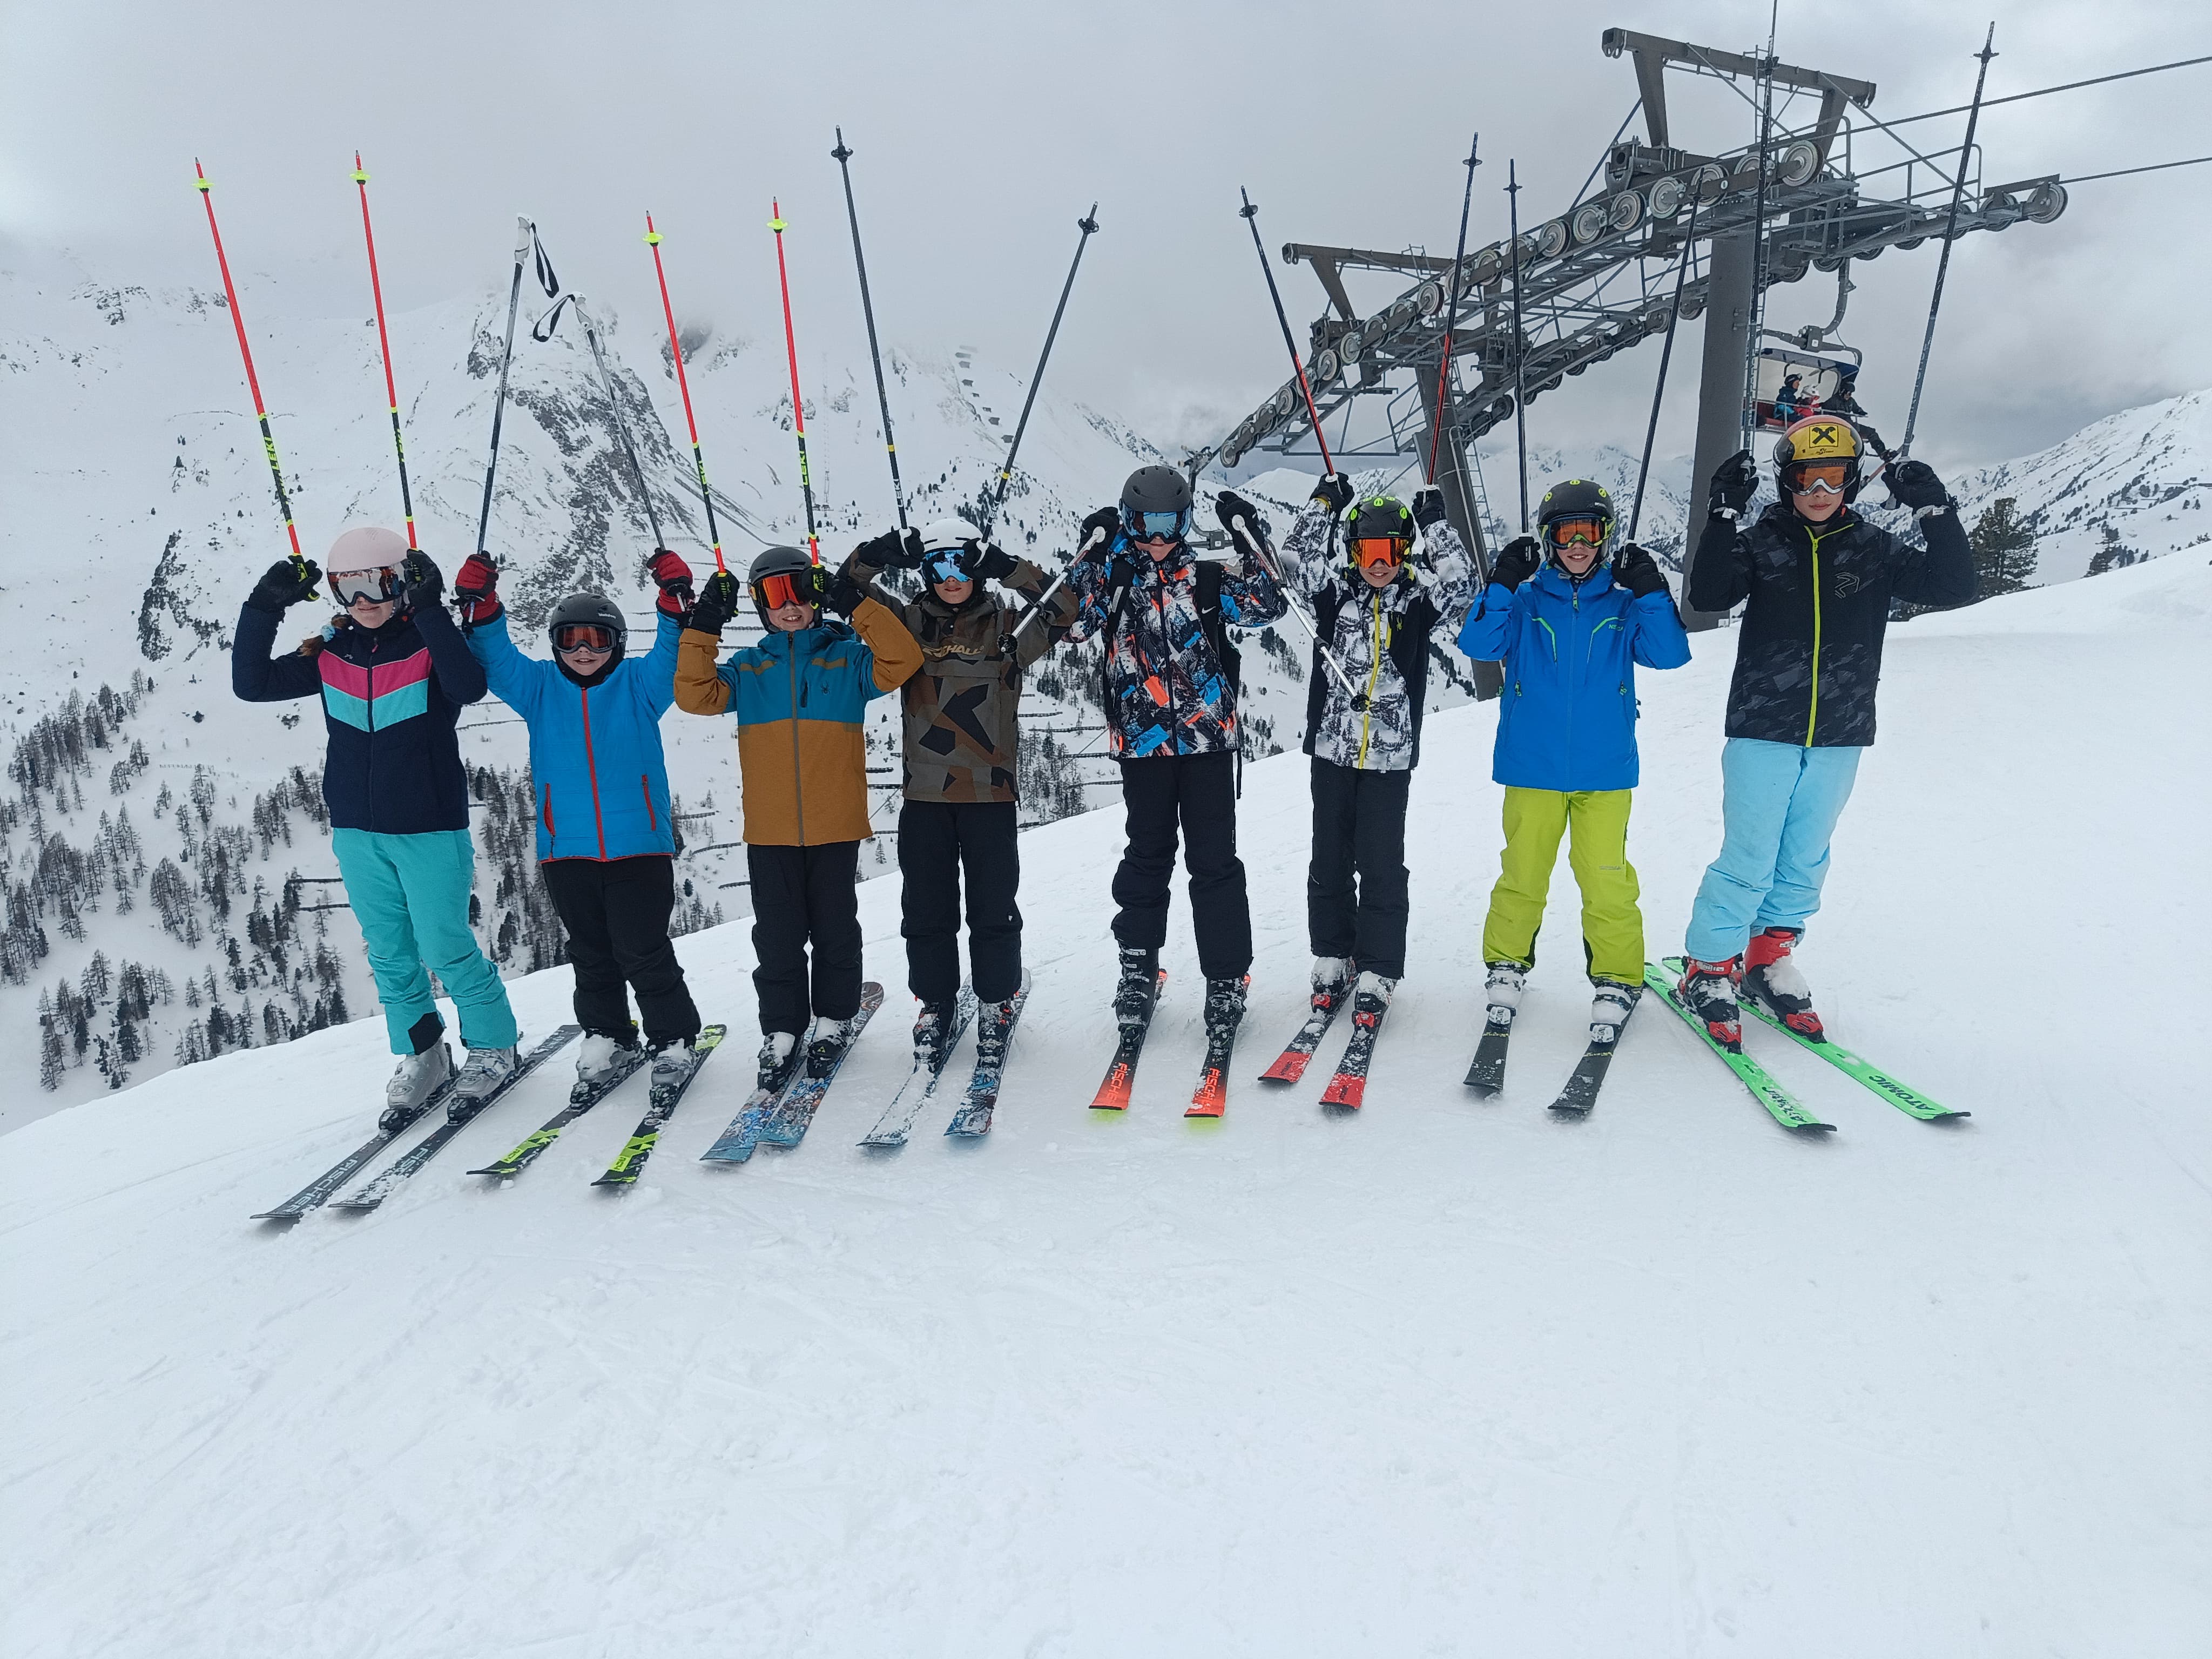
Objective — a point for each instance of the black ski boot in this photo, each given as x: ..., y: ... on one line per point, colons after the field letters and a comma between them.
x: 1225, y: 1003
x: 1139, y: 984
x: 933, y: 1023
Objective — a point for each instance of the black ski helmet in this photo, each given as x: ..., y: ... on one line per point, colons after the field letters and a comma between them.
x: 1577, y: 498
x: 591, y: 611
x: 1157, y: 491
x: 1373, y: 517
x: 783, y: 561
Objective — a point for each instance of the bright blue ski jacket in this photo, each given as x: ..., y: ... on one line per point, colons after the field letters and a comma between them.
x: 594, y: 752
x: 1567, y: 719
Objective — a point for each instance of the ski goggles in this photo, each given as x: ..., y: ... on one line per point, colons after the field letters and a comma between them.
x: 946, y: 565
x: 349, y: 587
x: 583, y: 636
x: 1156, y: 526
x: 1566, y: 532
x: 1818, y: 478
x: 774, y: 592
x: 1376, y: 552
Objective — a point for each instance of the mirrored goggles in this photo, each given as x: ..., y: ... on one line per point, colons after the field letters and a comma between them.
x: 349, y: 586
x: 1156, y: 526
x: 946, y: 565
x: 583, y: 636
x: 1566, y: 532
x: 777, y: 591
x: 1818, y: 478
x: 1371, y: 552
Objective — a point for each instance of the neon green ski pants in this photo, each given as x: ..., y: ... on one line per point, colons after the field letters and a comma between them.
x: 1596, y: 823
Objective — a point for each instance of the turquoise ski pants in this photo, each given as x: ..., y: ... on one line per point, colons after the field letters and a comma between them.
x: 1779, y: 805
x: 411, y: 895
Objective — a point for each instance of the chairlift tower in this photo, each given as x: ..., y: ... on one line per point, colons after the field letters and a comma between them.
x: 1599, y: 277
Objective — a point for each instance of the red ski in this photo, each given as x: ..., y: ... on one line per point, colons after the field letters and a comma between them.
x: 1113, y: 1094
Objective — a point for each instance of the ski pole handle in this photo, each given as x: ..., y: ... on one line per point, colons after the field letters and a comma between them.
x: 1242, y: 530
x: 1090, y: 542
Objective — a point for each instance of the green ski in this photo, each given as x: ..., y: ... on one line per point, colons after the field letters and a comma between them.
x: 1911, y: 1102
x: 1779, y: 1100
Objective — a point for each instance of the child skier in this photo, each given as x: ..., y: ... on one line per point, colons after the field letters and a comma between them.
x: 606, y: 848
x: 1374, y: 609
x: 1171, y: 697
x: 1819, y: 581
x: 1570, y: 616
x: 798, y: 697
x: 394, y: 675
x: 962, y: 730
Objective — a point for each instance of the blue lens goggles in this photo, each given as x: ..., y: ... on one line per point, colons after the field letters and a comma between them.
x: 950, y: 565
x: 1146, y: 526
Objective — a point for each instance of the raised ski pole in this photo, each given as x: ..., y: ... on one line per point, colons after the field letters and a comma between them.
x: 1249, y: 212
x: 384, y: 346
x: 1950, y: 239
x: 524, y: 235
x: 1666, y: 352
x: 843, y: 155
x: 614, y: 404
x: 683, y: 385
x: 797, y: 406
x: 1087, y: 224
x: 1519, y: 383
x: 1747, y: 419
x: 1451, y: 312
x: 252, y: 380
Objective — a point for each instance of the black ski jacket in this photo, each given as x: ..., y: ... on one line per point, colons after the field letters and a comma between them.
x: 1809, y: 654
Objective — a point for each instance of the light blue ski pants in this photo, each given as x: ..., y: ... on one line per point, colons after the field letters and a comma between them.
x: 1779, y: 804
x: 411, y: 895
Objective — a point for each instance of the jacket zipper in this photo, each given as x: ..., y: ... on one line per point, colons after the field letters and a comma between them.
x: 798, y: 786
x: 548, y: 814
x: 592, y: 770
x: 368, y: 713
x: 1813, y: 709
x: 652, y: 819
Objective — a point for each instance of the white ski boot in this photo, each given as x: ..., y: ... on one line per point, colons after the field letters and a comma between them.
x: 415, y: 1079
x: 776, y: 1052
x: 1610, y: 1009
x: 596, y: 1057
x: 1331, y: 975
x: 486, y: 1068
x: 1502, y: 992
x: 672, y: 1064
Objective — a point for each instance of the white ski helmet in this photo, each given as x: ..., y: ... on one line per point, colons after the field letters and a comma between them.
x: 943, y: 535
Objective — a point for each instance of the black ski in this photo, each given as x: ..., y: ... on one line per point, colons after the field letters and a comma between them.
x: 1120, y: 1077
x: 1487, y: 1076
x: 586, y: 1094
x: 994, y: 1031
x: 1580, y: 1093
x: 317, y: 1192
x: 639, y: 1147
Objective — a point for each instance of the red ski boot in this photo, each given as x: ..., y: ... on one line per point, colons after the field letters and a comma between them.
x: 1708, y: 990
x: 1771, y: 981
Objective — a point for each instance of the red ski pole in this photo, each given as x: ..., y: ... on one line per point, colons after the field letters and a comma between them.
x: 683, y: 385
x: 798, y: 408
x: 384, y: 346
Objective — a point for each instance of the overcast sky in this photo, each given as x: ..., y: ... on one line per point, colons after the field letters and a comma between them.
x: 982, y: 131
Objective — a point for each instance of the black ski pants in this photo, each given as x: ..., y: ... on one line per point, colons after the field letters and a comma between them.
x: 1198, y: 793
x: 940, y: 843
x: 1358, y: 830
x: 803, y: 895
x: 616, y: 913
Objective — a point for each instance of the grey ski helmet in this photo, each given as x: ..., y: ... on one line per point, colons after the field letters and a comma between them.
x: 1156, y: 500
x: 589, y: 611
x: 791, y: 562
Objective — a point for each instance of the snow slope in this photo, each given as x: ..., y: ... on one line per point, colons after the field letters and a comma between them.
x: 1443, y: 1377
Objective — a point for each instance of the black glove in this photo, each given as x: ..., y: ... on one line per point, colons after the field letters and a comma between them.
x: 424, y: 581
x: 841, y: 593
x: 987, y: 561
x: 1335, y: 489
x: 1638, y: 571
x: 1735, y: 482
x: 1914, y: 485
x: 1099, y: 531
x: 1517, y: 562
x: 1428, y: 507
x: 717, y: 604
x: 1241, y: 519
x: 894, y: 549
x: 284, y: 584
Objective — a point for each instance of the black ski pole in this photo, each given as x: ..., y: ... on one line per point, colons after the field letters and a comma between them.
x: 543, y: 331
x: 1519, y: 381
x: 1087, y: 224
x: 524, y: 235
x: 1451, y: 312
x: 1666, y: 352
x: 1950, y: 236
x: 844, y: 154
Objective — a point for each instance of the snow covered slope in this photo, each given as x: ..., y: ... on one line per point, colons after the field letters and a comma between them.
x: 1443, y: 1377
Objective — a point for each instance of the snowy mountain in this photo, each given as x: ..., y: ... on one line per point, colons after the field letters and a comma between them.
x: 1441, y: 1377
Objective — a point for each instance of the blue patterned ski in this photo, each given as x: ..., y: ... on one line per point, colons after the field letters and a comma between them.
x: 993, y: 1035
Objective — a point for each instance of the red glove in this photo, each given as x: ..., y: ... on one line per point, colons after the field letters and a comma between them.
x: 473, y: 591
x: 675, y: 578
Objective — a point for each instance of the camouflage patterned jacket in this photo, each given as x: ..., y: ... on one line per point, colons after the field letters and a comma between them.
x: 962, y: 711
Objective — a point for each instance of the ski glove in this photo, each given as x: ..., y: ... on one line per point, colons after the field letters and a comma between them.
x: 473, y: 591
x: 1335, y: 489
x: 1638, y: 571
x: 840, y: 592
x: 425, y: 582
x: 1429, y: 506
x: 717, y: 604
x: 284, y: 584
x: 1735, y: 480
x: 894, y: 549
x: 1242, y: 520
x: 989, y: 562
x: 1517, y: 562
x: 1914, y: 485
x: 674, y: 577
x: 1099, y: 533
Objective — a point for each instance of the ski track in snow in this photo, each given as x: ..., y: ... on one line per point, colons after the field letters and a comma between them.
x: 1440, y: 1377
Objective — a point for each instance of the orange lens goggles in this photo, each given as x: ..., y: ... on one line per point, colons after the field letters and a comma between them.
x: 1819, y: 478
x: 778, y: 591
x: 1566, y: 532
x: 583, y: 636
x: 1369, y: 552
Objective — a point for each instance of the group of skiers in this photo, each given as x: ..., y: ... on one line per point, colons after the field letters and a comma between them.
x: 1569, y: 612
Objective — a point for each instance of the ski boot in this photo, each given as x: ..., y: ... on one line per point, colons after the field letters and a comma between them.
x: 596, y: 1058
x: 933, y: 1023
x: 825, y: 1041
x: 1708, y: 991
x: 415, y: 1079
x: 672, y: 1064
x: 1610, y: 1008
x: 1502, y: 993
x: 1139, y: 984
x: 486, y: 1068
x: 1771, y: 981
x: 1224, y: 1003
x: 776, y: 1052
x: 1371, y: 997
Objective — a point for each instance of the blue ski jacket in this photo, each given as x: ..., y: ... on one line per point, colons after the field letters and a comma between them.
x: 594, y: 750
x: 1567, y: 721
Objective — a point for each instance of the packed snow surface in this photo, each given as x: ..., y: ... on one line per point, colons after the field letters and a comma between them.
x: 1445, y: 1376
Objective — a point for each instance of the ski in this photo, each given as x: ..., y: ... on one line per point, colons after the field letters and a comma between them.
x: 893, y: 1127
x: 1349, y: 1087
x: 992, y: 1037
x: 375, y: 1192
x: 1911, y: 1102
x: 624, y: 1171
x: 317, y: 1192
x: 786, y: 1125
x: 1211, y: 1097
x: 735, y: 1144
x: 1583, y: 1083
x: 586, y: 1094
x: 1120, y: 1077
x: 1779, y: 1100
x: 1486, y: 1076
x: 1291, y: 1065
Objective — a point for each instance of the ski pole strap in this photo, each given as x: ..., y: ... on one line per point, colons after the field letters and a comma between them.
x: 546, y: 279
x: 542, y: 330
